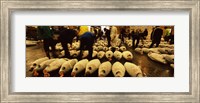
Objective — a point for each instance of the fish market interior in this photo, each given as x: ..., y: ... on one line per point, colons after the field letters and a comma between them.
x: 100, y: 51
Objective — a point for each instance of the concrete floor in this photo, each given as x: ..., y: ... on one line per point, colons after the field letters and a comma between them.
x: 149, y: 67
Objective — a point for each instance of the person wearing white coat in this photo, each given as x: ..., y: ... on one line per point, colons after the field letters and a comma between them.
x: 113, y: 35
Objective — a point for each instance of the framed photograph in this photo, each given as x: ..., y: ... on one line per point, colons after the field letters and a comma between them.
x: 158, y: 42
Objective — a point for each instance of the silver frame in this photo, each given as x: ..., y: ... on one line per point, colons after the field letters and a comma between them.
x: 8, y: 6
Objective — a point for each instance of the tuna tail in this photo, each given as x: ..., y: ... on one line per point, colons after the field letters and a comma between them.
x: 46, y: 75
x: 61, y: 74
x: 110, y: 59
x: 35, y: 73
x: 87, y: 74
x: 101, y: 75
x: 73, y: 74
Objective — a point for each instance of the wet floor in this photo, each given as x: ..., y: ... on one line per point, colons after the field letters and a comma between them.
x: 149, y: 67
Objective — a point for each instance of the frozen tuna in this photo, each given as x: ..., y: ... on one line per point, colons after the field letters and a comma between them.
x: 95, y: 48
x: 154, y: 50
x: 123, y: 48
x: 94, y: 54
x: 74, y: 53
x: 117, y: 48
x: 67, y: 66
x: 163, y: 50
x: 105, y: 49
x: 100, y: 48
x: 85, y: 54
x: 146, y: 45
x: 104, y: 69
x: 58, y: 46
x: 157, y: 57
x: 42, y: 66
x: 133, y: 70
x: 100, y: 54
x: 118, y: 69
x: 169, y: 58
x: 37, y: 62
x: 127, y: 55
x: 76, y: 45
x: 139, y: 50
x: 109, y: 55
x: 170, y: 51
x: 92, y: 66
x: 79, y: 67
x: 130, y: 44
x: 55, y: 65
x: 145, y: 50
x: 117, y: 55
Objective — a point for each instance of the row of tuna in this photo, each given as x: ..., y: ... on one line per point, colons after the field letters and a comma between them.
x: 74, y: 46
x: 147, y: 43
x: 163, y: 54
x: 65, y: 65
x: 108, y: 54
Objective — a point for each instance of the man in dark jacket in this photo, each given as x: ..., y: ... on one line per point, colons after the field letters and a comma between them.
x: 86, y: 43
x: 136, y: 36
x: 144, y: 34
x: 156, y: 36
x: 66, y: 36
x: 45, y: 33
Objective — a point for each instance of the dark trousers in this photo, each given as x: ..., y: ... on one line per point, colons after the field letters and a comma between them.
x: 49, y: 42
x: 65, y: 48
x: 171, y: 39
x: 122, y: 37
x: 86, y: 44
x: 134, y: 38
x: 99, y: 36
x: 154, y: 42
x: 108, y: 39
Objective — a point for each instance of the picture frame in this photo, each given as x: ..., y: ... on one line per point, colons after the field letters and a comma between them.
x: 7, y: 7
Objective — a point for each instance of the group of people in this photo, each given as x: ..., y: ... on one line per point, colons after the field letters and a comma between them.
x: 88, y: 37
x: 156, y: 35
x: 66, y: 35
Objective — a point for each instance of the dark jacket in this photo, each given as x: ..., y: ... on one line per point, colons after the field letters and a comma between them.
x: 87, y: 35
x: 44, y: 32
x: 67, y: 35
x: 157, y: 34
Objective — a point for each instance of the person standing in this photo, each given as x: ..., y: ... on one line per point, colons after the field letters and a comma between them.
x: 122, y: 33
x: 107, y: 33
x: 156, y: 36
x: 153, y: 29
x: 82, y: 30
x: 66, y: 36
x: 135, y: 37
x: 99, y: 33
x: 113, y: 35
x: 145, y: 33
x: 172, y: 36
x: 166, y: 33
x: 45, y: 33
x: 86, y: 43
